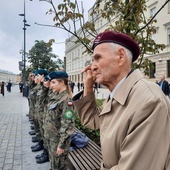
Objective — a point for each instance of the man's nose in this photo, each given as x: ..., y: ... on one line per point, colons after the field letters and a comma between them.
x: 93, y: 66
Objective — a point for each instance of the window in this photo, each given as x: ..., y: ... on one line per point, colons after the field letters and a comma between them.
x: 168, y: 68
x: 168, y: 7
x: 152, y: 11
x: 152, y: 70
x: 168, y: 31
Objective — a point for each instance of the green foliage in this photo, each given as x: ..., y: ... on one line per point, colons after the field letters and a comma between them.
x: 68, y: 16
x: 92, y: 134
x: 41, y: 56
x: 126, y: 16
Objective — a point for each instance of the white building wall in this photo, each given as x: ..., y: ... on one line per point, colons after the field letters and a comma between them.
x: 161, y: 37
x: 75, y: 60
x: 6, y: 77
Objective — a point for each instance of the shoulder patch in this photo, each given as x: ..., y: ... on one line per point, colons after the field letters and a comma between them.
x: 69, y: 114
x: 70, y: 103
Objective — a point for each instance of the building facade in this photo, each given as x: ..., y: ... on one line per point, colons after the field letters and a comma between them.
x: 6, y: 76
x: 160, y: 61
x: 75, y: 58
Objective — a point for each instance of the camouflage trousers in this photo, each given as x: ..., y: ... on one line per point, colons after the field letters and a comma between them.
x: 57, y: 162
x: 31, y: 111
x: 37, y: 129
x: 41, y: 130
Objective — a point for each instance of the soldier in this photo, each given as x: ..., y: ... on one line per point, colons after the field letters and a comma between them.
x: 31, y: 85
x: 42, y: 97
x: 32, y: 98
x: 59, y: 121
x: 38, y: 110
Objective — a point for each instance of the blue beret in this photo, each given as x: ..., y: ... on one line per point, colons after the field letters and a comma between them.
x: 35, y: 72
x: 42, y: 72
x: 58, y: 75
x: 118, y: 38
x: 46, y: 78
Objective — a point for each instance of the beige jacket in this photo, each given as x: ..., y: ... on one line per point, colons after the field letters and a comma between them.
x: 134, y: 125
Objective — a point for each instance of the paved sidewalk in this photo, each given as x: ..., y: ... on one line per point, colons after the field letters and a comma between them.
x: 15, y: 141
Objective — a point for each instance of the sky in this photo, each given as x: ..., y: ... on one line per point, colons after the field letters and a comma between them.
x: 12, y: 33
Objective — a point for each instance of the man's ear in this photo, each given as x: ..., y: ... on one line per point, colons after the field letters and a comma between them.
x: 122, y: 54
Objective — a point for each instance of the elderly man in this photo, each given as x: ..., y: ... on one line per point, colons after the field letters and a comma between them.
x: 134, y: 121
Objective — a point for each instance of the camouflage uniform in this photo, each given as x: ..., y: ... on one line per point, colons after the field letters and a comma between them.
x: 58, y: 128
x: 37, y: 113
x: 40, y: 103
x: 47, y: 99
x: 31, y: 98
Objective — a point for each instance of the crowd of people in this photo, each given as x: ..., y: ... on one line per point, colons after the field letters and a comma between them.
x: 134, y: 121
x: 8, y: 87
x: 52, y: 115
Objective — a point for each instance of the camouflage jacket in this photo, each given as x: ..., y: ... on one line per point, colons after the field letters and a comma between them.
x: 32, y: 97
x: 31, y: 85
x: 59, y: 120
x: 47, y: 99
x: 37, y: 94
x: 41, y: 98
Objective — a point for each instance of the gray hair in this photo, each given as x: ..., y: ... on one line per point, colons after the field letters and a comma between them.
x: 127, y: 51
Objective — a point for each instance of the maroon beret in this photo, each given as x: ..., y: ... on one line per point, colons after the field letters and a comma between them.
x: 118, y: 38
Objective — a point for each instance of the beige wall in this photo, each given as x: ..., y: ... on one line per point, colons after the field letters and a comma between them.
x: 75, y: 60
x: 6, y: 76
x: 161, y: 37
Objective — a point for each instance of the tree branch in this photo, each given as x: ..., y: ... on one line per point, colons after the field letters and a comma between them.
x: 152, y: 18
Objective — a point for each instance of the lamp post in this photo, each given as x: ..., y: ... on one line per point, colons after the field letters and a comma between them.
x: 24, y: 52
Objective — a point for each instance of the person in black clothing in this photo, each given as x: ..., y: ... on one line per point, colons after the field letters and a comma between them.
x: 2, y: 88
x: 96, y: 87
x: 82, y: 85
x: 21, y: 86
x: 78, y: 86
x: 9, y: 86
x: 72, y: 84
x: 164, y: 85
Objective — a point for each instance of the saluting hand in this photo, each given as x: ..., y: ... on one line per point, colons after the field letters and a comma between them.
x: 88, y: 80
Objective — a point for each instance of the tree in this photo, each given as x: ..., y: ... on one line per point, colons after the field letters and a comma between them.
x: 69, y: 17
x: 41, y: 56
x: 130, y: 18
x: 126, y: 16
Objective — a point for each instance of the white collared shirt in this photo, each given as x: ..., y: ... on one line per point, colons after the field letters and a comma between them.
x: 117, y: 86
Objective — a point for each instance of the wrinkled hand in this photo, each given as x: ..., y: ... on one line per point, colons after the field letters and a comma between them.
x: 88, y: 81
x: 59, y: 151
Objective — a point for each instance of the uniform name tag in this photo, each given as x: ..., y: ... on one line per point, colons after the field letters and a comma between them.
x: 38, y: 93
x: 52, y: 106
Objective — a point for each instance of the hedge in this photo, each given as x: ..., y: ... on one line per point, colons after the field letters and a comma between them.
x: 92, y: 134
